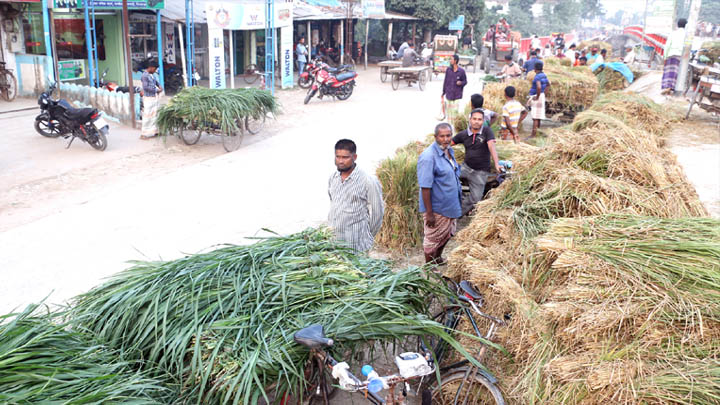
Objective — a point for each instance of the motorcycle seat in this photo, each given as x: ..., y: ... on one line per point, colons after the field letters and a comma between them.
x: 80, y: 114
x: 345, y: 76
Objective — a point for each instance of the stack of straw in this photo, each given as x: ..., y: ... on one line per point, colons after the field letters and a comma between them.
x: 712, y: 50
x: 610, y: 79
x: 599, y: 249
x: 600, y: 45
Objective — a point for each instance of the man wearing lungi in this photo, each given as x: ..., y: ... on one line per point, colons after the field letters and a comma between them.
x: 151, y: 101
x: 536, y: 102
x: 673, y: 52
x: 440, y: 193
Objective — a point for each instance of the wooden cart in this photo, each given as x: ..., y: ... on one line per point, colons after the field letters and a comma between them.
x: 385, y: 65
x: 410, y: 74
x: 708, y: 88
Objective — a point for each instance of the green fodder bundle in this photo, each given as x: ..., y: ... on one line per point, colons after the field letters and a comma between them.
x: 222, y: 322
x: 712, y: 50
x: 636, y: 110
x: 207, y: 109
x: 600, y: 45
x: 610, y: 79
x: 44, y: 359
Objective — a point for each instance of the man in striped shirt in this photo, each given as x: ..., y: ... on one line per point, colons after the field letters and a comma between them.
x: 356, y: 203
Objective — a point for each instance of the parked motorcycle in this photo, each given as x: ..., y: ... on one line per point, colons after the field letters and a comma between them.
x: 327, y: 84
x: 112, y: 86
x: 307, y: 77
x: 59, y: 118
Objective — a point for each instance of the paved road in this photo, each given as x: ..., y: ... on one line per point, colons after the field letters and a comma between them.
x: 278, y: 182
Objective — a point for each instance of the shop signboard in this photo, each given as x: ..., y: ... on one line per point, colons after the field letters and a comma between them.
x: 217, y: 58
x: 659, y: 19
x: 373, y: 9
x: 111, y: 4
x: 169, y: 43
x: 457, y: 24
x: 233, y: 16
x: 286, y: 57
x: 71, y: 69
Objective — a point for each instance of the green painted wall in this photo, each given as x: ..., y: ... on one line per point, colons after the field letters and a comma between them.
x: 114, y: 54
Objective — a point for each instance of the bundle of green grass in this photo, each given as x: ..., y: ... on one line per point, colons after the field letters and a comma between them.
x: 208, y: 109
x: 45, y: 359
x: 610, y: 79
x: 221, y: 323
x: 712, y: 50
x: 602, y: 253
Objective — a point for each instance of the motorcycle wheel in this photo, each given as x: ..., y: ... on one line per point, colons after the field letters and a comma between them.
x: 100, y: 141
x: 345, y: 92
x: 305, y: 83
x: 50, y: 129
x: 309, y: 96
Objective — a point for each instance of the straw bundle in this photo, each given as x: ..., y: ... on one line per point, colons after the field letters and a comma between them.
x: 552, y: 60
x: 600, y: 45
x: 598, y: 249
x: 494, y: 93
x: 222, y: 322
x: 610, y: 79
x: 636, y: 109
x: 572, y: 89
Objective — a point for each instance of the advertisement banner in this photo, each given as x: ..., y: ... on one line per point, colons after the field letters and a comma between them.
x: 373, y: 9
x: 286, y: 57
x: 660, y: 15
x: 457, y: 24
x: 71, y: 69
x: 113, y: 4
x: 169, y: 43
x: 217, y: 58
x: 233, y: 16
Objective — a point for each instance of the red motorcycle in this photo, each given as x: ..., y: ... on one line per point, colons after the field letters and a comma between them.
x: 340, y: 86
x: 307, y: 77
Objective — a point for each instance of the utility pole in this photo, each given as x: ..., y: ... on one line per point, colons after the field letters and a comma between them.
x: 681, y: 84
x: 128, y: 61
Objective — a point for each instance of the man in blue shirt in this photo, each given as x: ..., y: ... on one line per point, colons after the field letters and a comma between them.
x: 440, y: 192
x: 536, y: 102
x: 529, y: 64
x: 301, y: 52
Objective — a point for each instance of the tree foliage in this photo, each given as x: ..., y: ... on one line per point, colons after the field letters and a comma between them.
x: 709, y: 10
x: 438, y: 13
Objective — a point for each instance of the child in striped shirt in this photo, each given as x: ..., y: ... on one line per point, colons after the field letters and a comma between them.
x: 513, y: 113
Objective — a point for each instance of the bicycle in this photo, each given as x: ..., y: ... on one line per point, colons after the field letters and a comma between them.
x: 8, y: 83
x: 459, y: 383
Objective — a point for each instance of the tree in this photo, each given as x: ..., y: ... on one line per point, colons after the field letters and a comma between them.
x: 617, y: 18
x: 590, y: 9
x: 521, y: 16
x: 709, y: 10
x: 438, y: 13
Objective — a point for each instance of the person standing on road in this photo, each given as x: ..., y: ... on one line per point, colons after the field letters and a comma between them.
x: 455, y: 81
x: 529, y: 64
x: 356, y: 202
x: 673, y: 51
x: 535, y: 43
x: 301, y: 52
x: 536, y: 101
x: 151, y: 90
x: 440, y: 193
x: 479, y: 142
x: 513, y: 114
x: 629, y: 58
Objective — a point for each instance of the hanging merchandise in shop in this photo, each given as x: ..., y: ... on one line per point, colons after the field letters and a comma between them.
x: 112, y: 4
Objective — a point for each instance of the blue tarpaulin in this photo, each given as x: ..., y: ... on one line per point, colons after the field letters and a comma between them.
x: 323, y: 3
x: 617, y: 66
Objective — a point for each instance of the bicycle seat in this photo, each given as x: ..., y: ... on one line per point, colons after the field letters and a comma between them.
x: 312, y: 337
x: 469, y: 290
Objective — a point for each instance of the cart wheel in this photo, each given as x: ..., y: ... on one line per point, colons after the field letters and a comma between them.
x: 232, y: 140
x: 395, y: 81
x: 189, y: 136
x: 475, y: 62
x: 254, y: 126
x: 422, y: 80
x: 383, y: 74
x: 486, y: 64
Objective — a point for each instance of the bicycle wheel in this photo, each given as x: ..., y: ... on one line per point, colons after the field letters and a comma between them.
x: 395, y: 81
x: 232, y: 140
x: 422, y: 80
x: 189, y: 136
x: 254, y: 125
x: 473, y: 390
x: 251, y: 74
x: 383, y: 74
x: 11, y: 91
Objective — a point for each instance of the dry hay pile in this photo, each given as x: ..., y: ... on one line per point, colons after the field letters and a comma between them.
x: 610, y: 79
x: 712, y: 50
x: 402, y: 223
x: 600, y: 45
x: 553, y: 60
x: 636, y: 109
x: 572, y: 89
x: 494, y: 93
x: 599, y: 251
